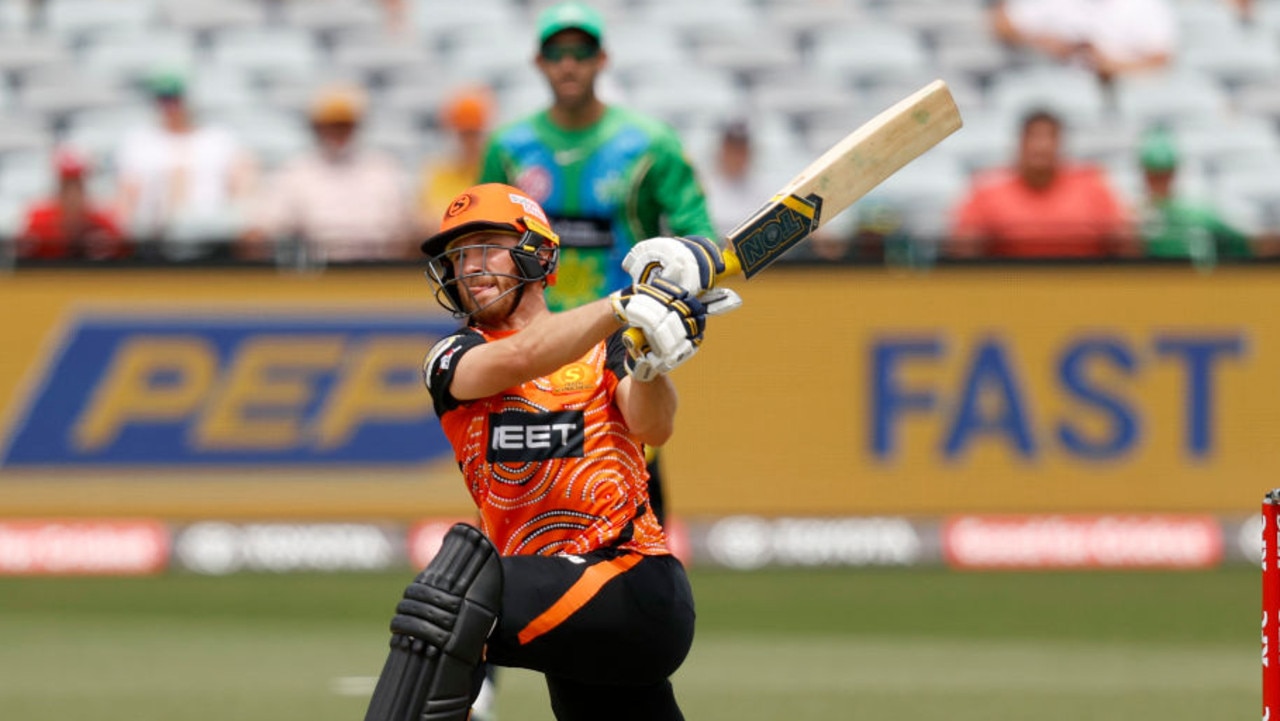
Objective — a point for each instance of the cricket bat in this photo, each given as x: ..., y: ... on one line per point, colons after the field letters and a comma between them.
x: 839, y: 177
x: 836, y: 180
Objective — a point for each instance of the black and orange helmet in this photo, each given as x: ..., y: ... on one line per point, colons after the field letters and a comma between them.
x: 492, y: 207
x: 495, y: 206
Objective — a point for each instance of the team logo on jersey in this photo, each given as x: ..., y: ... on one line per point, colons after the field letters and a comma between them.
x: 518, y: 437
x: 573, y: 378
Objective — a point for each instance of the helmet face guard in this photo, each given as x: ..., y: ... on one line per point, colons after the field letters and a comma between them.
x: 492, y: 207
x: 534, y: 259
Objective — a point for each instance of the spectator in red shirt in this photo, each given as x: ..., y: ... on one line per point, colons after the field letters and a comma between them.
x: 69, y: 226
x: 1043, y: 206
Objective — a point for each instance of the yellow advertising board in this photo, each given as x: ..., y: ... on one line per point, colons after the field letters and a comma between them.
x: 232, y: 393
x: 986, y: 390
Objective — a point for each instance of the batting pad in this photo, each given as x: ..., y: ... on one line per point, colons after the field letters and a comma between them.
x: 439, y: 631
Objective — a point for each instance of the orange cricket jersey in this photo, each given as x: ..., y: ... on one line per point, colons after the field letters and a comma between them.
x: 550, y: 464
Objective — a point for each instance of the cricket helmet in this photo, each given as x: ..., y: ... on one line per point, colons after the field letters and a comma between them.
x: 493, y: 207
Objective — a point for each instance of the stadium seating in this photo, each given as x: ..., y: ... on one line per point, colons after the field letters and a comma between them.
x: 803, y: 71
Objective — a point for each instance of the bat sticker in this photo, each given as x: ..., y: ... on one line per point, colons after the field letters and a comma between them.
x: 788, y: 221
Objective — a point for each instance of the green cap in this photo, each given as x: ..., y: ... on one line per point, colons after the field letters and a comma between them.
x: 570, y: 16
x: 166, y: 83
x: 1158, y: 151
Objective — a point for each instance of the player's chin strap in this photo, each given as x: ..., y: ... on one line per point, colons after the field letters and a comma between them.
x: 439, y: 631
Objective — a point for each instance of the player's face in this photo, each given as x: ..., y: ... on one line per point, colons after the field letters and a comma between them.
x: 486, y: 274
x: 571, y: 60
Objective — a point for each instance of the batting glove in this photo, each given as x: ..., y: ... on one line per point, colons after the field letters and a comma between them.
x: 691, y: 262
x: 671, y: 320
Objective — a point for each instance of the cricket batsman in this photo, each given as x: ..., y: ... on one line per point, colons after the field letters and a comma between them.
x: 569, y: 573
x: 607, y: 176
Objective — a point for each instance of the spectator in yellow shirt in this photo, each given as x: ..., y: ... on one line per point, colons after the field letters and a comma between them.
x: 466, y: 116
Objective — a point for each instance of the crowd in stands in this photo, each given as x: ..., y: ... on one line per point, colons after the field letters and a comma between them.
x: 1085, y: 136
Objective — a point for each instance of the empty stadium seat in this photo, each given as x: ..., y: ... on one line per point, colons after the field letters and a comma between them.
x: 269, y: 54
x: 203, y: 19
x: 373, y: 57
x: 871, y: 52
x: 1228, y: 142
x: 695, y: 21
x: 327, y: 18
x: 213, y: 88
x: 272, y: 135
x: 751, y: 55
x: 488, y: 54
x: 1171, y: 98
x: 806, y: 97
x: 98, y: 132
x: 77, y: 19
x: 809, y: 17
x: 56, y: 92
x: 1253, y: 190
x: 1071, y: 92
x: 1259, y: 99
x: 21, y: 52
x: 1233, y: 59
x: 23, y: 135
x: 130, y: 57
x: 435, y: 21
x: 1201, y: 22
x: 394, y: 134
x: 986, y: 140
x: 26, y: 176
x: 700, y: 94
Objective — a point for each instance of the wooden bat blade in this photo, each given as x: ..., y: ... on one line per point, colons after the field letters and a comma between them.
x: 842, y: 175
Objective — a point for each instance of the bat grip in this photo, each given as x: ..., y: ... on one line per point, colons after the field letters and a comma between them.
x: 633, y: 338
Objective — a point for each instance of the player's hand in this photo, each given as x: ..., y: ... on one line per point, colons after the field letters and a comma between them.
x: 691, y: 262
x: 669, y: 318
x: 648, y: 366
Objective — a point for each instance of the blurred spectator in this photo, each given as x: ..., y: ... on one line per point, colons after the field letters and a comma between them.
x: 339, y: 201
x: 734, y: 190
x: 69, y: 226
x: 396, y: 18
x: 180, y: 176
x: 1244, y: 9
x: 466, y: 116
x: 1043, y: 207
x: 1111, y: 37
x: 1172, y: 226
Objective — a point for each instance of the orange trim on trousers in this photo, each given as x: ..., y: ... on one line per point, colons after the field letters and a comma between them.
x: 582, y: 591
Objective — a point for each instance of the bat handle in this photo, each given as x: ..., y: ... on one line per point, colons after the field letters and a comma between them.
x: 633, y: 338
x: 732, y: 265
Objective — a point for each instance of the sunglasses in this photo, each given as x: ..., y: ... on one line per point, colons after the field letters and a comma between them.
x: 579, y: 52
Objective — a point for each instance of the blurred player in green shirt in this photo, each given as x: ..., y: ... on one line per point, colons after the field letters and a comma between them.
x: 607, y: 176
x: 1174, y: 227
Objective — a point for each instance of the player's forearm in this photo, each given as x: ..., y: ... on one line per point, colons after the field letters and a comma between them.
x: 649, y: 408
x: 555, y: 340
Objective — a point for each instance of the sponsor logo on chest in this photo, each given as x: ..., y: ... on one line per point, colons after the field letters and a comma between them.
x: 518, y: 437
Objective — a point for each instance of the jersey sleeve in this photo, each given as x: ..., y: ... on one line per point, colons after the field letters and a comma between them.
x: 615, y: 358
x: 677, y: 190
x: 440, y: 365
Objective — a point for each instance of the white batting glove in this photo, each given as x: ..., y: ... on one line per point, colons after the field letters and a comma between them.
x: 648, y: 366
x: 691, y: 262
x: 670, y: 320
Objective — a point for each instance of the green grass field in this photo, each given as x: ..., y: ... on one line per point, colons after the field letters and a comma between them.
x: 917, y: 644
